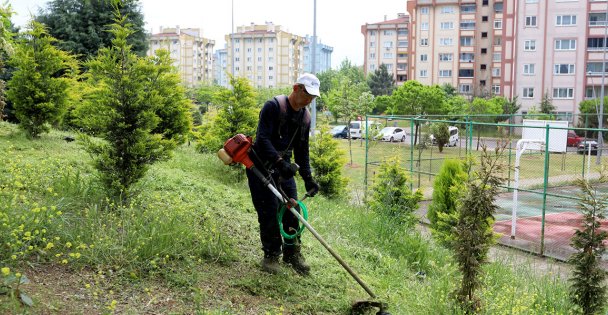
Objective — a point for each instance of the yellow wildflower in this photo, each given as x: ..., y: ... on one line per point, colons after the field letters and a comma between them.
x: 6, y: 271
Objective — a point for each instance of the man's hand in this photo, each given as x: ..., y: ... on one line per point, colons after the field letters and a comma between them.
x: 312, y: 188
x: 285, y: 169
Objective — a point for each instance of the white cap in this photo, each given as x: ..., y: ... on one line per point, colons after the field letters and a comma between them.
x: 311, y: 83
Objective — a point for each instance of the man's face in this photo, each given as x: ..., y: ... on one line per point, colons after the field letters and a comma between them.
x: 304, y: 98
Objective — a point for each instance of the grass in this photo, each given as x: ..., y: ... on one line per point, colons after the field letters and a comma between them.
x: 189, y: 244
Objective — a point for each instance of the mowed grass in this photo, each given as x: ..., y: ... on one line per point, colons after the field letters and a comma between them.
x: 189, y: 244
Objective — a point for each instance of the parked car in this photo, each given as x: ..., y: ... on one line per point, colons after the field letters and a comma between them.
x: 358, y: 130
x: 392, y: 134
x: 453, y: 141
x: 583, y: 147
x: 340, y: 131
x: 573, y: 139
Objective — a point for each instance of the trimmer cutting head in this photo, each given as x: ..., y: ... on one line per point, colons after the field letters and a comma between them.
x: 364, y: 307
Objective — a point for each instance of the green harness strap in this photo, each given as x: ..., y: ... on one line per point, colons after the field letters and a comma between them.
x: 301, y: 227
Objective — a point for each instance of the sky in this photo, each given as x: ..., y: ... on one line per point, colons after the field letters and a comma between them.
x: 338, y: 21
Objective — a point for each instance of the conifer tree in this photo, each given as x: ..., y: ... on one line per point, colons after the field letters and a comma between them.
x: 328, y: 160
x: 381, y: 82
x: 588, y: 287
x: 474, y: 235
x: 137, y: 106
x: 38, y: 88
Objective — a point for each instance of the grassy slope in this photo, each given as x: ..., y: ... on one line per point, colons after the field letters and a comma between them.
x: 207, y: 228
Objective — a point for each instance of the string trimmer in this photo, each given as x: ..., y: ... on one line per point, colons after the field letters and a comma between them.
x: 236, y: 150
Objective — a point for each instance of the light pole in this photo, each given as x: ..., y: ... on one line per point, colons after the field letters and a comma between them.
x: 313, y: 50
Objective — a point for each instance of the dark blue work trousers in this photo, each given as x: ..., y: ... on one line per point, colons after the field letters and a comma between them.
x: 267, y: 206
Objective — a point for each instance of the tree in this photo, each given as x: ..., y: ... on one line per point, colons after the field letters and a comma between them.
x: 139, y: 108
x: 392, y: 196
x: 510, y: 107
x: 450, y: 90
x: 474, y: 235
x: 482, y: 110
x: 381, y: 104
x: 6, y: 48
x: 327, y: 159
x: 441, y: 133
x: 237, y: 113
x: 82, y: 26
x: 413, y: 98
x: 448, y: 188
x: 588, y: 288
x: 381, y: 82
x: 343, y: 101
x: 546, y: 105
x: 38, y: 88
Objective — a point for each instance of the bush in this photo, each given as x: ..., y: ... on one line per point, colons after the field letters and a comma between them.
x: 441, y: 133
x: 392, y: 195
x: 443, y: 214
x: 327, y: 162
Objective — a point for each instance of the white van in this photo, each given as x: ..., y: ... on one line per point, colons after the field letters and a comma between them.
x: 453, y: 140
x: 358, y: 130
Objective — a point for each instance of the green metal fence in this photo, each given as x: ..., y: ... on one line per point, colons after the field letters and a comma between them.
x: 546, y: 198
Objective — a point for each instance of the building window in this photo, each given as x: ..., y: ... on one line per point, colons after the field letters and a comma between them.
x: 424, y: 73
x: 528, y: 92
x: 372, y: 33
x: 564, y: 68
x: 445, y: 73
x: 424, y: 10
x: 496, y: 89
x: 388, y: 55
x: 530, y: 45
x: 484, y: 34
x: 565, y: 20
x: 498, y: 7
x: 467, y: 57
x: 564, y: 93
x: 529, y: 69
x: 424, y: 42
x: 484, y: 2
x: 484, y: 18
x: 464, y: 88
x: 372, y: 55
x: 565, y: 44
x: 401, y: 66
x: 424, y: 26
x: 497, y: 41
x: 595, y: 68
x: 388, y: 33
x: 496, y: 57
x: 482, y: 82
x: 466, y: 40
x: 447, y: 9
x: 424, y: 57
x: 372, y: 44
x: 484, y: 51
x: 402, y: 43
x: 597, y: 19
x: 596, y: 44
x: 259, y: 59
x: 466, y: 73
x: 447, y: 25
x: 497, y: 24
x: 389, y: 66
x: 446, y: 57
x: 531, y: 1
x: 467, y: 24
x: 531, y: 21
x: 467, y: 8
x: 388, y: 44
x: 483, y: 66
x: 402, y: 32
x: 446, y: 41
x: 237, y: 50
x: 496, y: 72
x: 372, y: 67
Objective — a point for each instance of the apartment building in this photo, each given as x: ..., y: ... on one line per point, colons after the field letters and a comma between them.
x: 265, y: 54
x: 220, y: 67
x: 461, y: 43
x: 191, y: 53
x: 388, y: 43
x: 322, y: 57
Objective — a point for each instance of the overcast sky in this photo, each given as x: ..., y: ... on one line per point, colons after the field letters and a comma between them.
x: 338, y: 21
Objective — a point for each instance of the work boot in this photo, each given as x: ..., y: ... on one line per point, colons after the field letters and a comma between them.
x: 270, y: 264
x: 293, y: 257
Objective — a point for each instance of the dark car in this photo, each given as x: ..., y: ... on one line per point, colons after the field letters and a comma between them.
x: 583, y: 147
x: 340, y: 131
x: 573, y: 139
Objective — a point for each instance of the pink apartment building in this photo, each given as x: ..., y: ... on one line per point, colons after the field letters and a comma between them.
x: 523, y: 48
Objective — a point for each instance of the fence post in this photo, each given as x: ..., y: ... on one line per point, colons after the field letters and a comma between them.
x: 546, y: 180
x: 510, y: 145
x: 365, y: 177
x: 412, y: 154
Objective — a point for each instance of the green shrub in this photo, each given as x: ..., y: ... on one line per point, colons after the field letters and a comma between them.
x: 588, y: 287
x: 449, y: 185
x: 391, y: 193
x: 441, y: 133
x: 327, y: 161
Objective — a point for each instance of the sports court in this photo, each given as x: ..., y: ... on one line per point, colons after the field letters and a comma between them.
x: 561, y: 220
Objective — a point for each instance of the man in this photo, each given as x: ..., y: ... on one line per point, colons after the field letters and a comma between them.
x: 282, y: 130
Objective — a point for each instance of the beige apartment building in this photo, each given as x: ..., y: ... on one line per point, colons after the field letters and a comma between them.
x: 462, y: 43
x: 387, y: 43
x: 265, y: 54
x: 191, y: 53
